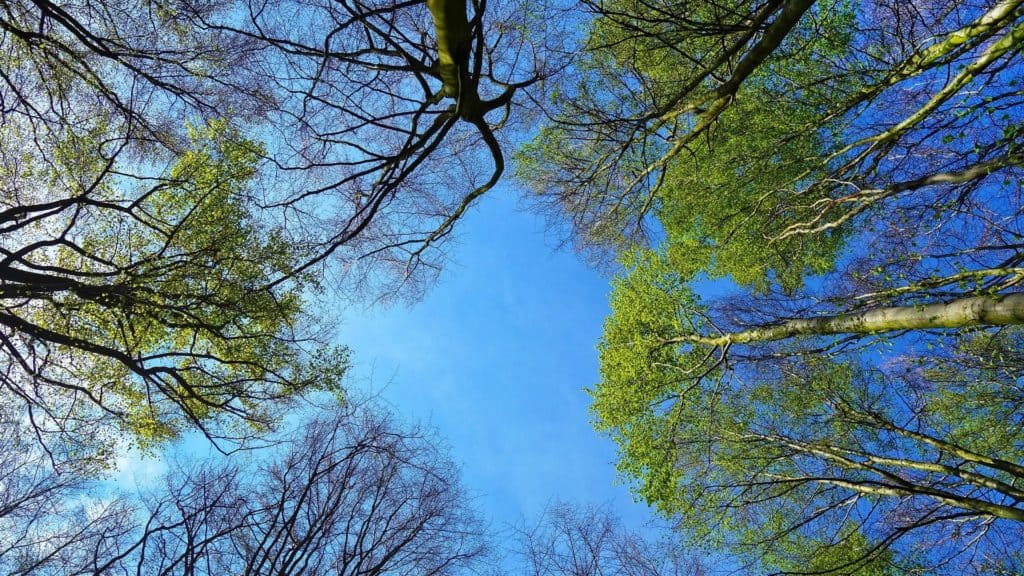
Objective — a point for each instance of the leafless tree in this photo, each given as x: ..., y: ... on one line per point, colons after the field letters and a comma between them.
x: 47, y: 519
x: 350, y: 493
x: 577, y: 540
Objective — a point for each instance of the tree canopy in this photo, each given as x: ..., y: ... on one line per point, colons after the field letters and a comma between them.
x: 853, y: 169
x: 813, y: 358
x: 150, y: 307
x: 183, y: 182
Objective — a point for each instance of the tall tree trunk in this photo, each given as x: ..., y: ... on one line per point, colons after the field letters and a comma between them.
x: 453, y: 41
x: 989, y: 310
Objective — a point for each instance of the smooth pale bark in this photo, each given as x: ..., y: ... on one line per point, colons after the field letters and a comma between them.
x: 864, y: 199
x: 989, y: 310
x: 962, y: 502
x: 892, y: 483
x: 1008, y: 43
x: 942, y: 445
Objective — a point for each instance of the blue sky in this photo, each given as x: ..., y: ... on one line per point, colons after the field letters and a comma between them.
x: 496, y: 358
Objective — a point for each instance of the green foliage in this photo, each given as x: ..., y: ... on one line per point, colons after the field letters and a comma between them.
x: 793, y: 464
x: 642, y: 395
x: 721, y: 205
x: 859, y: 167
x: 725, y: 199
x: 196, y: 317
x: 850, y: 554
x: 977, y: 399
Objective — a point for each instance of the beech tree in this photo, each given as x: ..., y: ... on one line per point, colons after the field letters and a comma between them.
x: 150, y: 308
x: 182, y: 181
x: 779, y: 141
x: 785, y: 453
x: 394, y: 112
x: 761, y: 134
x: 854, y: 171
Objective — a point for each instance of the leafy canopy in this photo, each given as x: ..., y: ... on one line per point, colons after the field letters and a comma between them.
x: 158, y: 306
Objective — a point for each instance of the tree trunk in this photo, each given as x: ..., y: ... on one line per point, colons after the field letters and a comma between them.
x: 989, y: 310
x: 452, y: 28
